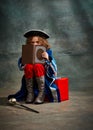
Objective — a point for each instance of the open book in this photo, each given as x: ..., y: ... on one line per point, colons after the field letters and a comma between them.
x: 32, y: 54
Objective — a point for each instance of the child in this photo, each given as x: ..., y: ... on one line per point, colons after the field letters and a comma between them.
x: 40, y: 75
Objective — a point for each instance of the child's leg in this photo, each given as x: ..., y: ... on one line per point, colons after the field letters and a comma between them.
x: 28, y: 70
x: 40, y: 78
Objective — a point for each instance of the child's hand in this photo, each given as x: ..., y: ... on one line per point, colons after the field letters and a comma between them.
x: 23, y: 66
x: 45, y: 55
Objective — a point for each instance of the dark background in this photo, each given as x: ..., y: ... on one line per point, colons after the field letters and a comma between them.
x: 70, y: 25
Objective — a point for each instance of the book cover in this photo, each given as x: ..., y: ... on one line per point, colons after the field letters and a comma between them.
x: 32, y: 54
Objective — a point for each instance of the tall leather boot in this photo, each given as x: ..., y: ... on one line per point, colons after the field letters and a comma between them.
x: 30, y: 92
x: 41, y: 88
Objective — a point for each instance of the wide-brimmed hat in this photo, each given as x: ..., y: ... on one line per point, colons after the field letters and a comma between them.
x: 36, y: 33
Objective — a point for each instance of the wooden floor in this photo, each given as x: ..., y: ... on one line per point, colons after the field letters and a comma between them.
x: 73, y: 114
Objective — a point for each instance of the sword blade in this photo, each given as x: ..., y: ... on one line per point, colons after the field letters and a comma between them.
x: 29, y: 108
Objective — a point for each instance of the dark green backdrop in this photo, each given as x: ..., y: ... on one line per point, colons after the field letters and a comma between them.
x: 70, y: 25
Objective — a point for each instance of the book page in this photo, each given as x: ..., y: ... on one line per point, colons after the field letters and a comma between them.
x: 38, y: 54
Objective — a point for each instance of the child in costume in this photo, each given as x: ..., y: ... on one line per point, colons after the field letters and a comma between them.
x: 38, y: 79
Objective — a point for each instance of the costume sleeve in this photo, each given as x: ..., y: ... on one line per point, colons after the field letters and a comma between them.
x: 20, y: 65
x: 50, y: 65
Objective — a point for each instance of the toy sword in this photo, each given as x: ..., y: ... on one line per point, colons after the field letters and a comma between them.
x: 13, y: 101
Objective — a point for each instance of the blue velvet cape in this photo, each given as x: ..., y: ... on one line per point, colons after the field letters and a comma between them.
x: 51, y: 90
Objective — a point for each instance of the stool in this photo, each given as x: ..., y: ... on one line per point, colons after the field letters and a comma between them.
x: 62, y: 84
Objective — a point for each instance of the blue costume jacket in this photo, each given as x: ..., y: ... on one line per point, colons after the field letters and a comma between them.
x: 51, y: 90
